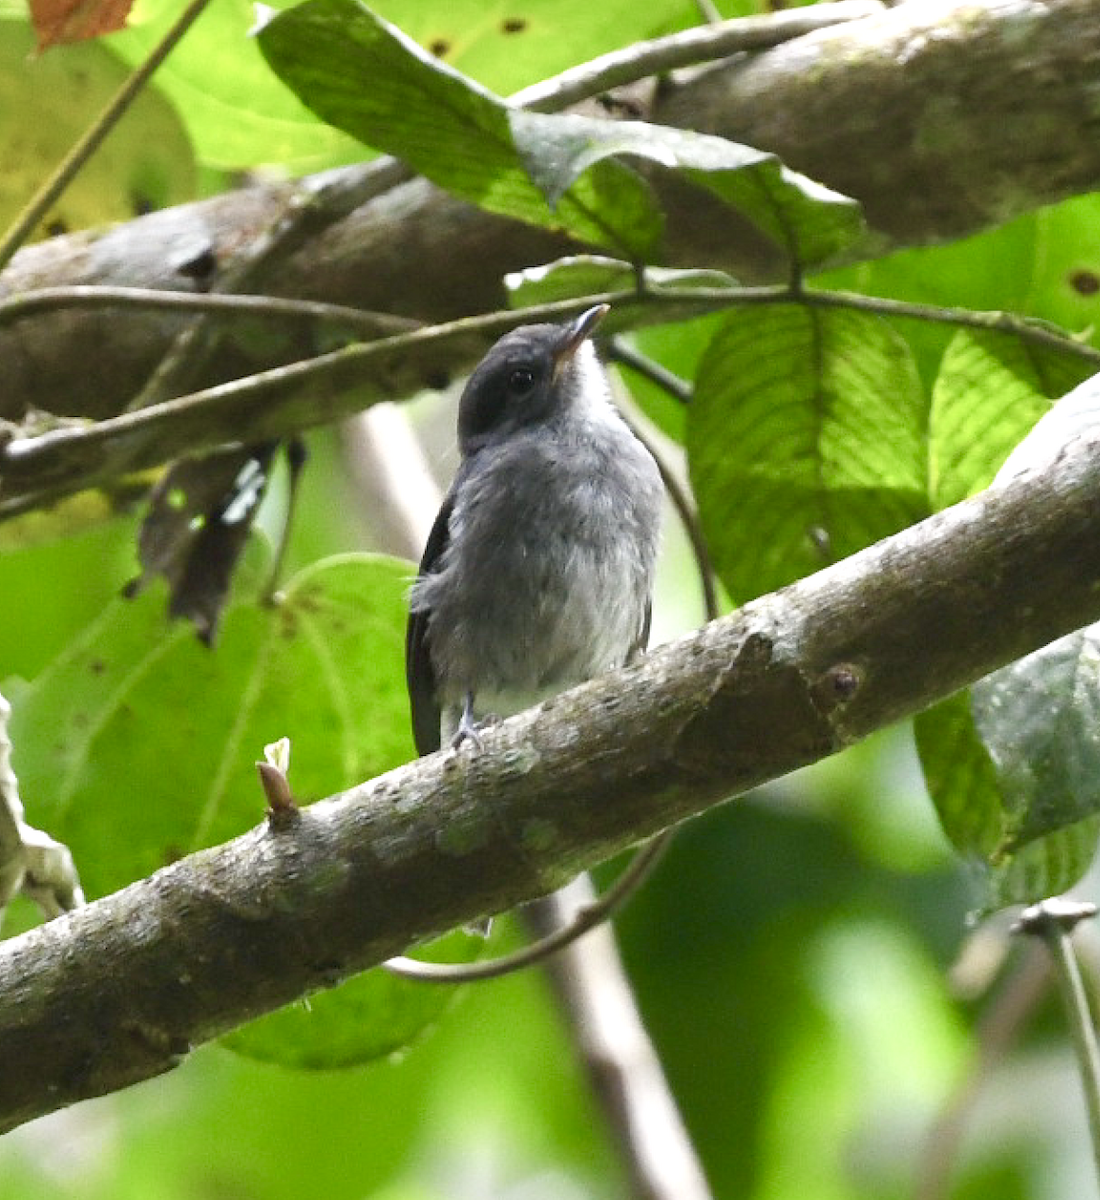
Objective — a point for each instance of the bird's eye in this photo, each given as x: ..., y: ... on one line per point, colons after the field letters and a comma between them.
x: 521, y: 381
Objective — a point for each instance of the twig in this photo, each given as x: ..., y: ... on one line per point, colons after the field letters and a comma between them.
x: 689, y: 520
x: 362, y: 321
x: 66, y: 460
x: 689, y: 47
x: 622, y: 352
x: 997, y: 322
x: 350, y: 364
x: 1053, y: 920
x: 708, y: 11
x: 87, y: 145
x: 583, y: 921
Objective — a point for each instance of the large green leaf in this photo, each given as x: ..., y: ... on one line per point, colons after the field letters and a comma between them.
x: 961, y: 778
x: 809, y: 221
x: 991, y: 389
x: 1013, y: 765
x: 367, y: 77
x: 46, y: 103
x: 805, y: 440
x: 239, y: 115
x: 1027, y: 820
x: 138, y: 745
x: 368, y: 1017
x: 1039, y: 719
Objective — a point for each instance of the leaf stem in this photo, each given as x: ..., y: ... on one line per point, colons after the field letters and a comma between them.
x: 1053, y: 920
x: 93, y: 137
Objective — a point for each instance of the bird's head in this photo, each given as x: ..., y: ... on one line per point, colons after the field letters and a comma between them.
x: 531, y: 374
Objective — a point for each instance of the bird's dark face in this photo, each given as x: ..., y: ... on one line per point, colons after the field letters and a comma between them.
x: 522, y: 381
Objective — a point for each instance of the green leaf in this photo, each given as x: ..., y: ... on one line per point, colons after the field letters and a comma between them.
x: 1012, y: 767
x: 811, y: 222
x: 133, y: 700
x: 991, y: 389
x: 239, y: 115
x: 507, y: 44
x: 83, y: 570
x: 805, y: 442
x: 236, y: 113
x: 1045, y: 867
x: 560, y: 172
x: 368, y: 78
x: 371, y: 1016
x: 1063, y: 278
x: 961, y: 778
x: 1038, y: 719
x: 591, y: 274
x: 146, y: 163
x: 1075, y: 414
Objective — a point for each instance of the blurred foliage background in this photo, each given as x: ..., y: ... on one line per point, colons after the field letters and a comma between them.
x: 805, y: 957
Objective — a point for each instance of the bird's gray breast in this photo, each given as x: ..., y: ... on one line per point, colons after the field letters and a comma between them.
x: 549, y: 566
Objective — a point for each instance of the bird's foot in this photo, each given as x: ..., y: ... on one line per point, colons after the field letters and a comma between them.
x: 468, y: 731
x: 470, y: 727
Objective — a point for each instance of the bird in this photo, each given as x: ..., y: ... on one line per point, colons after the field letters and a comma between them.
x: 538, y: 571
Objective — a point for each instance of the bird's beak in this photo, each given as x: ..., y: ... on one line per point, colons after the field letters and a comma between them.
x: 574, y: 334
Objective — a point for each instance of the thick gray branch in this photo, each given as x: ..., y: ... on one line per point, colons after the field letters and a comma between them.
x: 942, y: 118
x: 118, y: 991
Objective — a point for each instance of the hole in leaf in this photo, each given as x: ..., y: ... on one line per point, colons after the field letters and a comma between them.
x: 1085, y: 283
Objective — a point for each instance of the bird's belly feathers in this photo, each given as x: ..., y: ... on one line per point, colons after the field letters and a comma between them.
x: 547, y: 591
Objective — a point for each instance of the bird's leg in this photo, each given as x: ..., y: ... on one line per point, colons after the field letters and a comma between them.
x: 468, y: 729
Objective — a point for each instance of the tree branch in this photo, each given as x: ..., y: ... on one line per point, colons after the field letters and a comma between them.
x: 941, y: 118
x: 120, y: 990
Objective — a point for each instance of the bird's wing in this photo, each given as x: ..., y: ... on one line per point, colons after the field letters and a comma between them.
x: 419, y: 672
